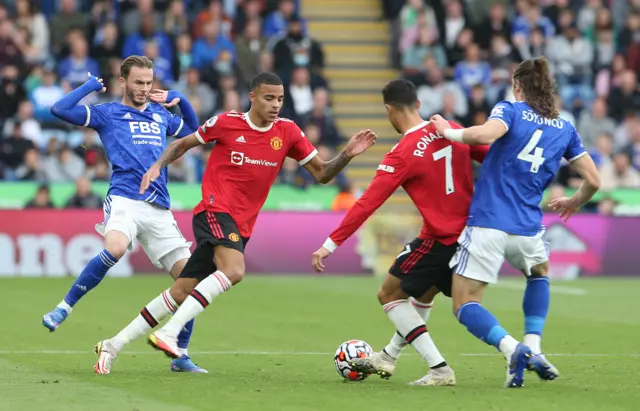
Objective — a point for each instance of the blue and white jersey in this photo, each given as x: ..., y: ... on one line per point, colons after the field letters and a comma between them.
x: 519, y: 167
x: 133, y: 141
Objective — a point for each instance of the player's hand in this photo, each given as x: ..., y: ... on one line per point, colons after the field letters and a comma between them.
x: 565, y: 206
x: 360, y: 142
x: 96, y: 83
x: 317, y: 257
x: 149, y: 177
x: 161, y: 97
x: 440, y: 123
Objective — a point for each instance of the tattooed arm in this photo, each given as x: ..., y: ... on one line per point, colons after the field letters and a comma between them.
x: 170, y: 154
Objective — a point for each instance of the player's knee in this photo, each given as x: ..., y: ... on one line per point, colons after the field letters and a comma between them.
x: 234, y: 271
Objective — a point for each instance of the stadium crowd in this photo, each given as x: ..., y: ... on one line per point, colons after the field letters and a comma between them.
x: 461, y: 55
x: 207, y: 50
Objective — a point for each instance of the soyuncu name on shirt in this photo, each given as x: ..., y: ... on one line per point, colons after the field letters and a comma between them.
x: 532, y: 117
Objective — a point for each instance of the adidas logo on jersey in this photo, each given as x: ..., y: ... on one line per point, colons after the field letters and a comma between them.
x: 127, y: 117
x: 241, y: 139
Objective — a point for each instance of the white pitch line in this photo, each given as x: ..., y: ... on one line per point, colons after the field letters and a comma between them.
x: 557, y: 289
x: 291, y: 353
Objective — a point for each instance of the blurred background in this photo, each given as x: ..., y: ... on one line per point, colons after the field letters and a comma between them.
x: 334, y: 57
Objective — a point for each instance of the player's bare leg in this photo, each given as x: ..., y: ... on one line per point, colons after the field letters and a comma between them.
x: 467, y: 295
x: 535, y: 306
x: 115, y: 245
x: 410, y: 325
x: 193, y: 300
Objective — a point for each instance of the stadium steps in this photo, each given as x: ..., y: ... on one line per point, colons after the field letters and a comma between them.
x: 355, y: 40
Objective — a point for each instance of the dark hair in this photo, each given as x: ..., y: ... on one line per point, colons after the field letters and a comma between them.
x: 538, y: 86
x: 270, y: 79
x: 134, y: 61
x: 400, y: 93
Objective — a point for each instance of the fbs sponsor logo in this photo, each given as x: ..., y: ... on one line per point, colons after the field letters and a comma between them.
x: 239, y: 159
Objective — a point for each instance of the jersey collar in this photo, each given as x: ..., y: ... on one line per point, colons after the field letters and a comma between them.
x: 253, y: 126
x: 416, y: 128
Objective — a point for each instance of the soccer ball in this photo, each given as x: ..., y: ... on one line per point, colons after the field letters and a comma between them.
x: 348, y: 351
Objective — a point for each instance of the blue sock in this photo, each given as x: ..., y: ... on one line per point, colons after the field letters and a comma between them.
x: 185, y: 335
x: 535, y: 304
x: 91, y: 276
x: 481, y: 323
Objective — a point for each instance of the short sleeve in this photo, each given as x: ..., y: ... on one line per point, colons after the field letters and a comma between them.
x: 575, y: 149
x: 301, y: 148
x: 504, y: 112
x: 211, y: 130
x: 97, y: 115
x: 176, y: 125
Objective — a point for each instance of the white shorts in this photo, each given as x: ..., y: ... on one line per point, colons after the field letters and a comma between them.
x: 482, y: 251
x: 154, y: 227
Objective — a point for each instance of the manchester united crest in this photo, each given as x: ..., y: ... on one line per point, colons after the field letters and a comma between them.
x: 276, y: 143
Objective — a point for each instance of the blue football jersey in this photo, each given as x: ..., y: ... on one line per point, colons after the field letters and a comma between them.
x: 519, y: 167
x: 133, y: 140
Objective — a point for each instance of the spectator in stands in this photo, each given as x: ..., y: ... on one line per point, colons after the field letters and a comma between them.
x: 64, y: 166
x: 572, y: 57
x: 176, y: 21
x: 594, y: 122
x: 162, y: 69
x: 36, y: 43
x: 108, y: 47
x: 182, y: 171
x: 425, y: 45
x: 431, y: 95
x: 11, y: 92
x: 300, y: 93
x: 602, y: 152
x: 42, y: 198
x: 84, y: 197
x: 148, y: 30
x: 66, y: 19
x: 275, y: 25
x: 345, y: 198
x: 74, y: 68
x: 183, y: 58
x: 190, y: 86
x: 207, y: 50
x: 30, y: 128
x: 619, y: 174
x: 14, y: 149
x: 497, y: 24
x: 472, y: 70
x: 10, y: 52
x: 477, y: 103
x: 626, y: 97
x: 322, y: 118
x: 297, y: 50
x: 249, y: 47
x: 134, y: 19
x: 535, y: 47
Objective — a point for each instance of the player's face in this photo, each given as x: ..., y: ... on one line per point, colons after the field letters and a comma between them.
x: 266, y: 101
x: 138, y: 85
x: 391, y: 115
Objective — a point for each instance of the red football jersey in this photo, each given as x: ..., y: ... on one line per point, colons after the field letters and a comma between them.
x: 244, y: 163
x: 435, y: 172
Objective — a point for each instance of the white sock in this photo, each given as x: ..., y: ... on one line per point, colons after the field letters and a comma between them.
x: 408, y: 323
x: 534, y: 342
x: 204, y: 293
x: 397, y: 343
x: 65, y: 306
x: 508, y: 346
x: 154, y: 312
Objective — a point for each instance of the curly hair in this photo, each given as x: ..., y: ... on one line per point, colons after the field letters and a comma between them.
x: 538, y: 86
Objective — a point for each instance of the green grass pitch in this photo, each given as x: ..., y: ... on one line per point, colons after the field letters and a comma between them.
x: 269, y: 345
